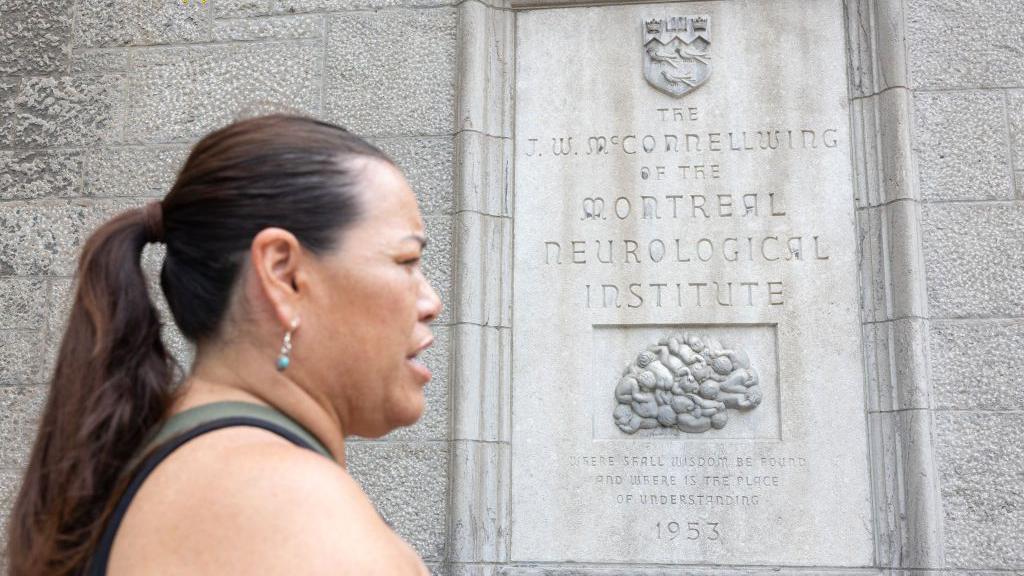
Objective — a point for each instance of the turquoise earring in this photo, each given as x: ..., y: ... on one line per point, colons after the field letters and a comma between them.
x: 286, y: 348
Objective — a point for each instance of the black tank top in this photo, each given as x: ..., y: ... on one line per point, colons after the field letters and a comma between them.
x: 178, y: 430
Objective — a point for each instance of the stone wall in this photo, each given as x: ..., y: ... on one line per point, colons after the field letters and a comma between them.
x: 100, y: 102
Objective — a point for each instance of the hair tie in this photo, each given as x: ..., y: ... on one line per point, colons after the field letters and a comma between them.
x: 154, y: 216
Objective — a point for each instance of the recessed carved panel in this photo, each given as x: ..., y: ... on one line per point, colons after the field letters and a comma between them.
x: 687, y: 381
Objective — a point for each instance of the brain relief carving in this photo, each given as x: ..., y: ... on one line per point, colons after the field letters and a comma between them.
x: 687, y: 382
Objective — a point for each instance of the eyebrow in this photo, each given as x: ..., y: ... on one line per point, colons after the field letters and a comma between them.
x: 418, y: 238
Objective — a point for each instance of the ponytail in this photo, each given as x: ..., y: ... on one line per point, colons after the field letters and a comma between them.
x: 112, y: 383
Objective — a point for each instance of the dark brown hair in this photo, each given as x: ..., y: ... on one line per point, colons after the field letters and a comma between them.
x: 114, y: 380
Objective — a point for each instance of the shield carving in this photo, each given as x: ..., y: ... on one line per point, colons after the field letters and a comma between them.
x: 676, y: 59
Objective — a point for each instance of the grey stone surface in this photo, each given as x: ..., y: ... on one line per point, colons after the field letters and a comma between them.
x: 182, y: 93
x: 408, y: 484
x: 433, y: 425
x: 41, y: 239
x: 131, y: 170
x: 375, y: 85
x: 438, y: 261
x: 569, y: 351
x: 44, y: 239
x: 35, y: 38
x: 22, y: 303
x: 965, y: 44
x: 10, y: 482
x: 427, y: 165
x: 248, y: 8
x: 973, y: 261
x: 99, y: 61
x: 68, y: 111
x: 21, y: 357
x: 282, y: 27
x: 135, y: 23
x: 40, y: 174
x: 976, y: 364
x: 961, y: 143
x: 20, y: 410
x: 981, y: 461
x: 1015, y: 113
x: 8, y: 91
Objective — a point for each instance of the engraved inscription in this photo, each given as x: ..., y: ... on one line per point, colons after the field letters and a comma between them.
x: 676, y: 59
x: 686, y: 382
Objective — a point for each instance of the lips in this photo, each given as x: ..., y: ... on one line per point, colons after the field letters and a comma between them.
x: 418, y: 367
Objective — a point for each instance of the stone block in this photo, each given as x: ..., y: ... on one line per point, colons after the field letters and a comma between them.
x: 68, y: 111
x: 486, y: 54
x: 484, y: 244
x: 966, y: 44
x: 139, y: 23
x: 22, y: 303
x: 408, y: 483
x: 182, y: 93
x: 21, y: 357
x: 433, y: 425
x: 438, y: 262
x: 8, y: 91
x: 480, y: 509
x: 34, y: 174
x: 100, y: 61
x: 42, y: 240
x: 249, y: 8
x: 973, y: 262
x: 981, y: 463
x: 961, y: 146
x: 281, y: 28
x: 374, y: 85
x: 484, y: 173
x: 35, y: 39
x: 10, y: 483
x: 132, y: 171
x: 427, y: 163
x: 976, y: 365
x: 871, y: 236
x: 481, y: 370
x: 1015, y: 113
x: 20, y: 410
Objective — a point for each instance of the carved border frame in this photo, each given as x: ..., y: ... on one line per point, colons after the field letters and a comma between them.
x: 907, y: 506
x: 480, y: 372
x: 894, y: 304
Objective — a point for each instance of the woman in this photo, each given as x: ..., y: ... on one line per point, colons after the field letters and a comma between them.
x: 292, y: 263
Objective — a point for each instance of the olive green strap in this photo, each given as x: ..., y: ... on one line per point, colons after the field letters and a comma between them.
x: 189, y: 419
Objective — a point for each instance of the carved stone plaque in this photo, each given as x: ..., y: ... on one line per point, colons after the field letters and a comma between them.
x: 687, y: 385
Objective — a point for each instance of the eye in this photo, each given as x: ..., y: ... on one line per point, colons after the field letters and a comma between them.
x: 414, y: 261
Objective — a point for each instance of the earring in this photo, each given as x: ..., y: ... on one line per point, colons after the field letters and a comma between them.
x: 286, y: 348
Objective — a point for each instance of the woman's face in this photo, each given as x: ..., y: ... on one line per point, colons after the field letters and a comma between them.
x: 369, y: 312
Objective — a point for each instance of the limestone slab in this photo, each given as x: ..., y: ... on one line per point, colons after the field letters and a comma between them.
x: 726, y: 214
x: 987, y: 56
x: 181, y: 93
x: 376, y: 86
x: 980, y: 462
x: 981, y: 243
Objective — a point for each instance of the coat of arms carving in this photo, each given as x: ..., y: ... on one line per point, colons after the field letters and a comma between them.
x: 676, y: 59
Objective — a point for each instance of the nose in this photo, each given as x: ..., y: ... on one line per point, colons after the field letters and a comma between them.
x: 430, y: 304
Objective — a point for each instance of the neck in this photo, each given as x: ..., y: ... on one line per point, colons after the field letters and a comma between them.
x: 241, y: 376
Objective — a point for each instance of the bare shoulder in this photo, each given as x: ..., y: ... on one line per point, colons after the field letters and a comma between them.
x: 244, y: 500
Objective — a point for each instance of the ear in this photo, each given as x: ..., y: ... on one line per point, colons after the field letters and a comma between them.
x: 276, y: 258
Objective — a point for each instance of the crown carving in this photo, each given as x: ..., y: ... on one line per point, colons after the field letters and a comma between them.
x: 654, y: 26
x: 700, y: 23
